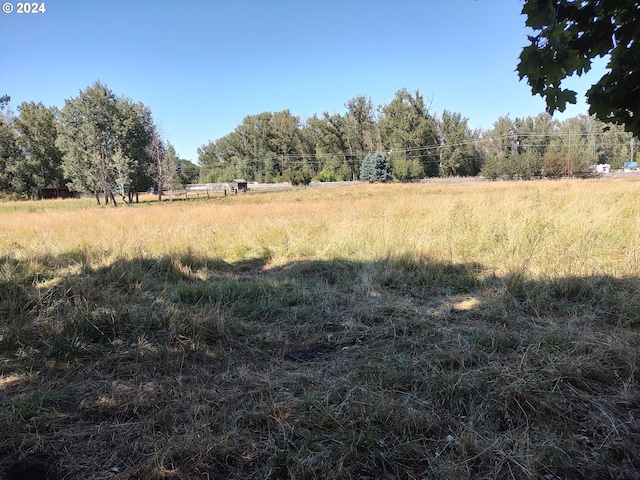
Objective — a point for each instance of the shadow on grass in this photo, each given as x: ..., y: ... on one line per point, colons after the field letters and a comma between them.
x: 400, y: 367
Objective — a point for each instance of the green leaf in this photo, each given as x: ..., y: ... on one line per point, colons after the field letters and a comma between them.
x: 539, y: 13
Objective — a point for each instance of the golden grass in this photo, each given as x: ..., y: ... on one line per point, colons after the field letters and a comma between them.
x: 535, y: 228
x: 485, y: 330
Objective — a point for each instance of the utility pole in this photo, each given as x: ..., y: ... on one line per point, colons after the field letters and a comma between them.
x: 569, y: 158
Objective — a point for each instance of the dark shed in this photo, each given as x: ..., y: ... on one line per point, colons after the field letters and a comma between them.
x: 238, y: 184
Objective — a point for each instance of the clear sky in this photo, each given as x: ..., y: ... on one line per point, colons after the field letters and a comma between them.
x: 201, y: 66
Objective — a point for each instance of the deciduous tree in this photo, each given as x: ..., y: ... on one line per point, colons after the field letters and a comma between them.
x: 10, y: 153
x: 4, y: 101
x: 157, y: 151
x: 134, y: 129
x: 333, y: 147
x: 40, y: 164
x: 457, y: 152
x: 188, y: 171
x: 569, y: 34
x: 407, y: 127
x: 362, y: 129
x: 94, y: 125
x: 171, y: 178
x: 254, y: 150
x: 88, y: 139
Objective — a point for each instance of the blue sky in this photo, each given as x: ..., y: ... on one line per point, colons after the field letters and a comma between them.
x: 202, y: 66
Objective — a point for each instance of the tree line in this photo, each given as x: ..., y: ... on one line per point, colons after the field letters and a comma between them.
x: 543, y: 147
x: 280, y: 146
x: 109, y: 146
x: 98, y: 143
x: 283, y: 147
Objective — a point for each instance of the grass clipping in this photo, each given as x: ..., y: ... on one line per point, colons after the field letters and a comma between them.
x: 456, y: 331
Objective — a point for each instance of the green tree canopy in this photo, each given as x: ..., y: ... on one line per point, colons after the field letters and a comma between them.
x: 333, y: 145
x: 254, y: 150
x: 4, y: 101
x: 41, y: 162
x: 457, y: 153
x: 361, y: 125
x: 104, y: 139
x: 407, y: 127
x: 188, y: 171
x: 569, y: 34
x: 10, y: 153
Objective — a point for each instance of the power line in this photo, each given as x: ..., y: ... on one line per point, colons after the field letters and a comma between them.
x: 512, y: 142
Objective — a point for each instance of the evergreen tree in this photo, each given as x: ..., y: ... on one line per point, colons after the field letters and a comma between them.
x: 375, y: 168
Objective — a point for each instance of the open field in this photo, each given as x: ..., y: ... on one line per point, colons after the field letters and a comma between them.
x: 484, y: 330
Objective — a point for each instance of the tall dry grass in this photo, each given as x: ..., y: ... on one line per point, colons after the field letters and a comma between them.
x: 534, y: 228
x: 483, y: 330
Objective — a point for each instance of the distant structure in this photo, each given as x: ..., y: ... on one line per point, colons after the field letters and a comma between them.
x: 238, y: 184
x: 602, y: 168
x: 631, y: 167
x: 60, y: 192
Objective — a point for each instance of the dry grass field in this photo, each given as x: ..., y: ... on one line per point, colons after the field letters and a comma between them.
x: 458, y: 331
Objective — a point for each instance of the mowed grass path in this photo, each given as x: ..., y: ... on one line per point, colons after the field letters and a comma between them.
x: 483, y: 330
